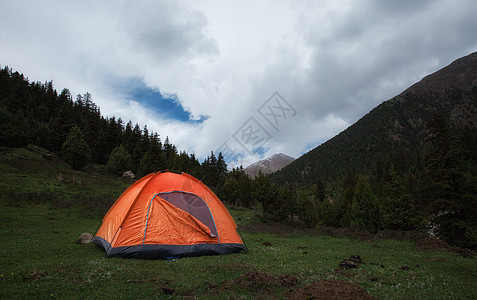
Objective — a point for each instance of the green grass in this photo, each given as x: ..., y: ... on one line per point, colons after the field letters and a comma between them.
x: 29, y: 178
x: 39, y: 259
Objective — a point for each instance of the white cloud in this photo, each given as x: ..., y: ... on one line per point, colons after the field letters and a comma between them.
x: 332, y: 60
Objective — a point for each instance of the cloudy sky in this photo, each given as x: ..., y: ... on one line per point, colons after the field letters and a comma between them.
x: 248, y: 78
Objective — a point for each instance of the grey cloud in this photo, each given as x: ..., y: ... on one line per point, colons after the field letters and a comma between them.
x: 403, y: 7
x: 166, y: 31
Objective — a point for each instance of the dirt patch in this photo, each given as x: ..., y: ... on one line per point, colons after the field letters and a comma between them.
x: 261, y: 282
x: 463, y: 251
x: 433, y: 244
x: 331, y: 289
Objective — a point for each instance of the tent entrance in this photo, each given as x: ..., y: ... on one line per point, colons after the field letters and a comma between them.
x: 180, y: 202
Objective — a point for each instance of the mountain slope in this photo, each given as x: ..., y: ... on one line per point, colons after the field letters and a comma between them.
x: 269, y: 165
x: 395, y: 126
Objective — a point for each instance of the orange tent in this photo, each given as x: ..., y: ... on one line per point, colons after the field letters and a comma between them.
x: 167, y: 214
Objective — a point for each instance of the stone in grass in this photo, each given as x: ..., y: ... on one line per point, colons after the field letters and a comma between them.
x: 85, y: 238
x: 129, y: 175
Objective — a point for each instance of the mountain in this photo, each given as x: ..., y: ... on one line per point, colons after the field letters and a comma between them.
x: 269, y: 165
x: 396, y: 127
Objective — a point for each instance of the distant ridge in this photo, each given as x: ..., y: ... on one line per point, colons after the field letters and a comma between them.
x: 269, y: 165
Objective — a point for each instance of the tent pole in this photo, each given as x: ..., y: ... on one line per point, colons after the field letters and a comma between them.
x: 111, y: 244
x: 96, y: 231
x: 246, y: 249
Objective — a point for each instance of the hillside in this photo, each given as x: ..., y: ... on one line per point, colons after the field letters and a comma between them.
x: 269, y: 165
x: 33, y: 175
x: 395, y: 127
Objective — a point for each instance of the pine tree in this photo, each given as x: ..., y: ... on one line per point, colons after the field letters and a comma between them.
x: 453, y: 203
x: 75, y: 150
x: 119, y: 161
x: 154, y: 159
x: 231, y: 191
x: 320, y: 191
x: 245, y: 188
x: 14, y: 130
x: 399, y: 210
x: 306, y: 208
x: 328, y: 214
x: 60, y: 126
x: 263, y: 192
x: 365, y: 212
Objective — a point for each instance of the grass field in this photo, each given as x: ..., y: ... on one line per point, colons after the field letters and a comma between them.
x: 39, y: 257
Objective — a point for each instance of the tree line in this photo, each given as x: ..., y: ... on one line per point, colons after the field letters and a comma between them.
x: 75, y: 129
x: 434, y: 190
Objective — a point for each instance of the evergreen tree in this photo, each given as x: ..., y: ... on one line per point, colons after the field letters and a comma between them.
x: 14, y: 130
x: 399, y: 211
x: 128, y: 139
x: 213, y: 171
x: 344, y: 199
x: 221, y: 172
x: 194, y: 166
x: 284, y: 205
x: 306, y: 210
x: 181, y: 162
x: 364, y: 211
x: 263, y: 192
x: 453, y: 203
x: 60, y: 126
x: 245, y: 188
x: 213, y: 175
x: 231, y: 191
x: 328, y: 214
x: 154, y: 159
x: 75, y: 150
x: 119, y: 161
x: 141, y: 148
x: 320, y: 191
x: 355, y: 215
x: 170, y: 152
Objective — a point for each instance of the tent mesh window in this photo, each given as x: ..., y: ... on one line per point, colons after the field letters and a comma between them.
x: 192, y: 204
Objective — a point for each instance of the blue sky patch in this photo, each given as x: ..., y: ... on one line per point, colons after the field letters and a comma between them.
x: 166, y: 105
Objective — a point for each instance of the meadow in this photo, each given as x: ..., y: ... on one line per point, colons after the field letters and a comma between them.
x: 41, y: 216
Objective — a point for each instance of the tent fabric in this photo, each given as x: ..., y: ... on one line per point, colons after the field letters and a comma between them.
x: 167, y: 214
